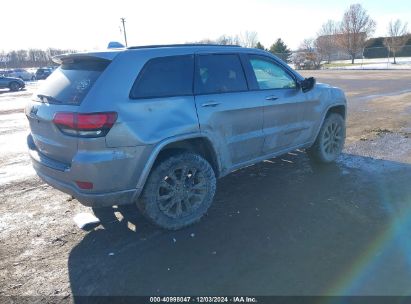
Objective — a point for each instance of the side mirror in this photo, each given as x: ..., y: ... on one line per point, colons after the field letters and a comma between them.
x: 307, y: 84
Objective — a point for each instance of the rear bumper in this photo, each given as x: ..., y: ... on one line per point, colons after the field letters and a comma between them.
x: 63, y: 176
x: 92, y: 199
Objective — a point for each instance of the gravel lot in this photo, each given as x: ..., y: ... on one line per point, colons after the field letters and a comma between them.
x: 282, y: 227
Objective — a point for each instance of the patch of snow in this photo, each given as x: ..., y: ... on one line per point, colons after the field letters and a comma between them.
x: 403, y: 63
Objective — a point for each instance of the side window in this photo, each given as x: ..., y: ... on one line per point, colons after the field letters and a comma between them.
x: 270, y: 75
x: 219, y: 73
x: 165, y: 77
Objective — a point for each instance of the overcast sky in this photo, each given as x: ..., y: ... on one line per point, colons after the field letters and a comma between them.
x: 82, y: 24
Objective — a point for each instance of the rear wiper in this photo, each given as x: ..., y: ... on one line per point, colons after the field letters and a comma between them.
x: 49, y: 99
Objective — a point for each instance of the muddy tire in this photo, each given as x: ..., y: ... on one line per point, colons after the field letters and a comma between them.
x: 178, y: 191
x: 330, y: 140
x: 14, y: 86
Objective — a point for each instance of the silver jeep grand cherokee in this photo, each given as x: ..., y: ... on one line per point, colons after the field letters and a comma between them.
x: 156, y: 125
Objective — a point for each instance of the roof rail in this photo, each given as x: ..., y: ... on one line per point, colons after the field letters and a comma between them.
x: 180, y: 45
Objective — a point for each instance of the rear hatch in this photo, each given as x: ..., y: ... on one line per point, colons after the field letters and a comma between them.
x: 52, y: 114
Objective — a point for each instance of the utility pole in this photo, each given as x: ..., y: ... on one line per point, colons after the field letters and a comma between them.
x: 123, y: 20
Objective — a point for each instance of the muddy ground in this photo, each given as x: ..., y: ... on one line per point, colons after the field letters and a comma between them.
x: 283, y: 227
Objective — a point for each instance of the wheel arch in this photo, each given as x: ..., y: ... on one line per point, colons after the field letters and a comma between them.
x: 340, y: 109
x: 337, y: 109
x: 197, y: 143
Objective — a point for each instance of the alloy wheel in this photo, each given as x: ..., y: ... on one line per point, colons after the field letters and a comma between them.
x: 333, y: 139
x: 181, y: 191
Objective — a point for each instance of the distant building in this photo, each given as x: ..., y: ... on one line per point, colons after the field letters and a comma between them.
x: 375, y: 48
x: 331, y: 46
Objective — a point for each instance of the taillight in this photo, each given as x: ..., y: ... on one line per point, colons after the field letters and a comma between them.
x: 85, y: 124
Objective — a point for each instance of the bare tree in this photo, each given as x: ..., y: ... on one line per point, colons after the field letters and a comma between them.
x: 246, y: 39
x: 398, y: 37
x: 249, y: 39
x: 356, y: 27
x: 204, y: 41
x: 307, y: 56
x: 228, y: 40
x: 224, y: 40
x: 32, y: 57
x: 325, y: 42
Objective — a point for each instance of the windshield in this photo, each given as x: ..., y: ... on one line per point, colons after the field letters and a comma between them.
x: 71, y: 82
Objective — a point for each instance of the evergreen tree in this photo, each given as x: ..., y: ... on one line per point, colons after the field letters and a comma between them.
x: 259, y: 46
x: 280, y: 49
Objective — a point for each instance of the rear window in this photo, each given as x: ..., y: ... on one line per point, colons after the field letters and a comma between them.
x: 165, y: 77
x: 71, y: 82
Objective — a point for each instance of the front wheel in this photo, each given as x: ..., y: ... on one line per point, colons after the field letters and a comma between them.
x: 14, y: 86
x: 179, y: 191
x: 330, y: 140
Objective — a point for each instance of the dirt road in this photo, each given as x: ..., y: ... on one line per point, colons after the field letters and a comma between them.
x: 282, y: 227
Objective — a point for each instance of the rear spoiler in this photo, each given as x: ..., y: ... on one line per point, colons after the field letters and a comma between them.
x: 106, y: 55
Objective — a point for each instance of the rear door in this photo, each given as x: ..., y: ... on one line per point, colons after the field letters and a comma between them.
x: 161, y: 100
x: 62, y: 92
x: 286, y: 108
x: 226, y: 109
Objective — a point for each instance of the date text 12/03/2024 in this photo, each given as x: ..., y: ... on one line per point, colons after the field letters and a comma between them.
x: 207, y: 299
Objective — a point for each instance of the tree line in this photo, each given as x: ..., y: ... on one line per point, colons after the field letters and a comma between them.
x: 350, y: 36
x: 30, y: 58
x: 249, y: 39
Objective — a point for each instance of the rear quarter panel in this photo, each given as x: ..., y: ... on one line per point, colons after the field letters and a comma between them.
x: 140, y: 121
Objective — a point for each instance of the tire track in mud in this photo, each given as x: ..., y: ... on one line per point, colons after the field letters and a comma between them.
x: 15, y: 167
x: 11, y: 111
x: 21, y: 186
x: 16, y: 129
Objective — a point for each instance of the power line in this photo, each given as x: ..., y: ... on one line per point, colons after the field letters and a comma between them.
x: 123, y: 20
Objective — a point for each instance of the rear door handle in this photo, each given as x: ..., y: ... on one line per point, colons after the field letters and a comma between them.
x: 210, y: 104
x: 271, y: 97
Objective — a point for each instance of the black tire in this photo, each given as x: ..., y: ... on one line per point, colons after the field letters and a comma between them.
x: 330, y: 140
x: 178, y: 191
x: 14, y: 86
